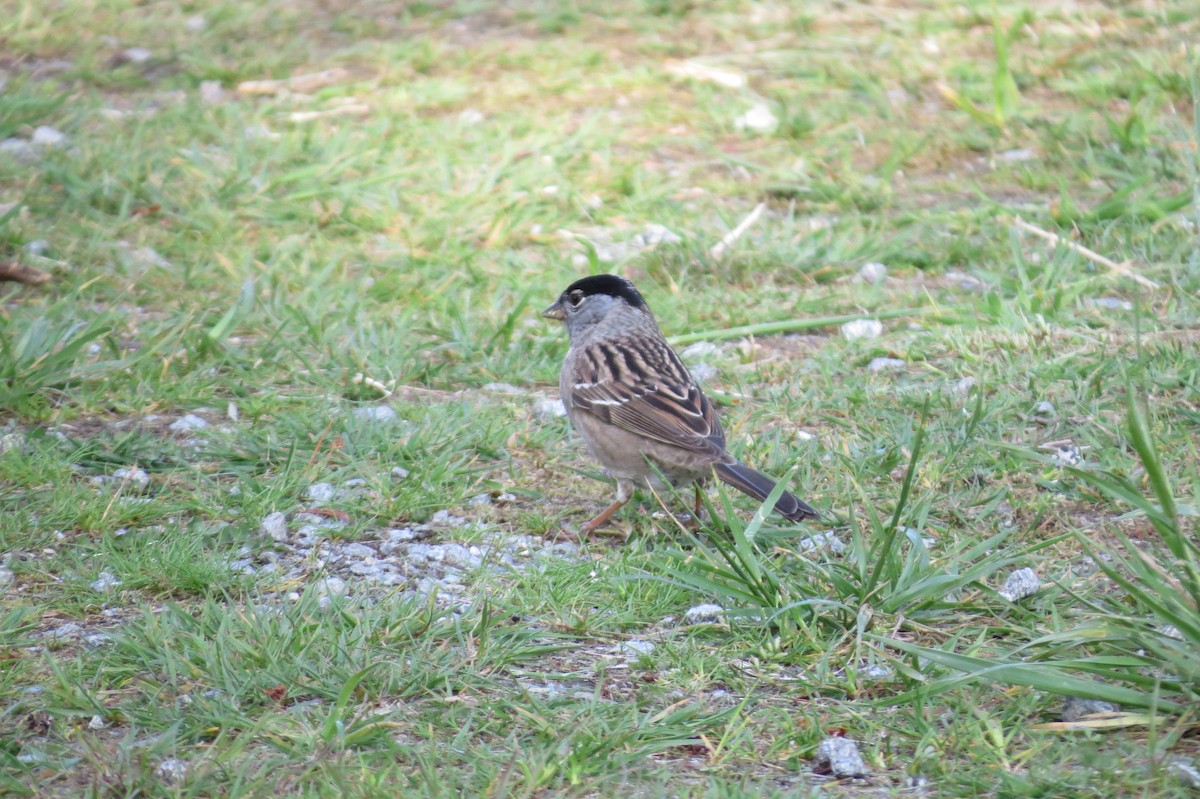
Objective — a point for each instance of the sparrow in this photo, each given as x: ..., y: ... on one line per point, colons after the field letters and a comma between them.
x: 636, y: 406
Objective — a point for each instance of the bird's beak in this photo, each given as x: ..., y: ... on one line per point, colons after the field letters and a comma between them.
x: 555, y: 311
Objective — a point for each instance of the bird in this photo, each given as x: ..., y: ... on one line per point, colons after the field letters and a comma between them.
x: 636, y: 406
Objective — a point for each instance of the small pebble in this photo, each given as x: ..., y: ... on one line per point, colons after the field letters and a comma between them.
x: 701, y: 349
x: 878, y: 365
x: 37, y: 247
x: 503, y: 388
x: 195, y: 23
x: 966, y: 282
x: 635, y: 647
x: 275, y: 526
x: 375, y: 413
x: 1044, y: 408
x: 188, y: 423
x: 707, y: 613
x: 962, y: 388
x: 104, y: 582
x: 826, y: 540
x: 319, y: 492
x: 6, y: 577
x: 135, y: 479
x: 1186, y: 771
x: 839, y: 757
x: 545, y: 410
x: 1075, y: 708
x: 172, y: 771
x: 137, y: 55
x: 1017, y: 156
x: 653, y: 235
x: 445, y: 517
x: 46, y: 136
x: 470, y: 117
x: 331, y: 586
x: 862, y: 329
x: 758, y: 118
x: 211, y: 92
x: 872, y: 272
x: 1067, y: 454
x: 1020, y: 584
x: 1110, y: 303
x: 399, y: 473
x: 97, y: 723
x: 357, y: 550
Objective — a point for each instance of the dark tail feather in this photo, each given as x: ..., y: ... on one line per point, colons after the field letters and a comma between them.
x: 748, y: 481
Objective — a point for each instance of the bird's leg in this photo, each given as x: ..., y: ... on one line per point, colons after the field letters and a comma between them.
x: 624, y: 494
x: 696, y: 512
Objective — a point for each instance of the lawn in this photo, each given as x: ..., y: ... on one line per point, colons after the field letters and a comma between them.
x: 283, y: 484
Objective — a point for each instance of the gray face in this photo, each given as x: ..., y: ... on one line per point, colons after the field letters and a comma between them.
x: 582, y: 311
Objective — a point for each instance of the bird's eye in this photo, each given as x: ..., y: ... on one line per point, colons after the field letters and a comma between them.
x: 575, y: 298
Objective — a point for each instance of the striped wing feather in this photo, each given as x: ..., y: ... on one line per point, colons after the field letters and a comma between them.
x: 644, y: 388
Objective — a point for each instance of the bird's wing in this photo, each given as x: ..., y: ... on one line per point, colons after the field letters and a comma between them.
x: 644, y: 388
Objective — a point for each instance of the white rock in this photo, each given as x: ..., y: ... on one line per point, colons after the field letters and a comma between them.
x: 758, y: 118
x: 707, y: 613
x: 275, y: 525
x: 827, y: 540
x: 37, y: 247
x: 966, y: 282
x: 97, y: 723
x: 470, y: 117
x: 878, y: 365
x: 319, y: 492
x: 962, y: 388
x: 653, y: 235
x: 1067, y: 454
x: 1044, y: 408
x: 1020, y: 584
x: 18, y: 149
x: 331, y: 586
x: 66, y: 632
x: 6, y: 577
x: 135, y: 479
x: 839, y: 757
x: 399, y: 473
x: 1017, y: 156
x: 195, y: 23
x: 211, y: 92
x: 635, y: 647
x: 872, y: 272
x: 137, y: 55
x: 1110, y: 303
x: 545, y: 410
x: 375, y: 413
x: 862, y: 329
x: 105, y: 581
x: 503, y: 388
x: 189, y: 423
x: 448, y: 519
x: 701, y: 349
x: 172, y: 771
x: 46, y: 136
x: 1185, y: 771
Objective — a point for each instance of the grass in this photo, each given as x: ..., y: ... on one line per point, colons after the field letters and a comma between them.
x: 240, y: 258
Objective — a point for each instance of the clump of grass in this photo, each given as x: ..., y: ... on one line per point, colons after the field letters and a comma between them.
x: 1140, y: 646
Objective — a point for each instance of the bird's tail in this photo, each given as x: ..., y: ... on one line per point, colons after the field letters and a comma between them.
x: 759, y: 486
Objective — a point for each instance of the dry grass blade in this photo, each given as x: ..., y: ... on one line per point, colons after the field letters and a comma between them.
x: 1123, y: 268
